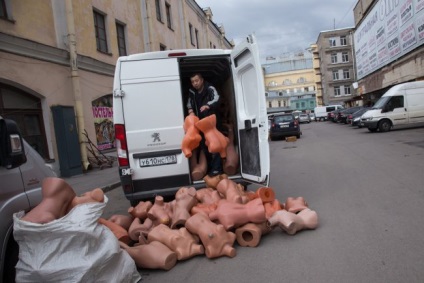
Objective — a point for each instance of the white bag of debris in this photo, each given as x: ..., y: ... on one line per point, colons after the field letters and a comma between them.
x: 74, y: 248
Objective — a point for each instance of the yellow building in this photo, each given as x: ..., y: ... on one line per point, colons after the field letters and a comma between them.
x: 61, y: 55
x: 290, y: 84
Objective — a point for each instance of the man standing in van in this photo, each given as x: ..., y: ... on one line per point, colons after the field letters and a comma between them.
x: 203, y: 101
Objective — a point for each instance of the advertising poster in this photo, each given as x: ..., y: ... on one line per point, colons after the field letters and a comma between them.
x: 392, y: 29
x: 103, y: 122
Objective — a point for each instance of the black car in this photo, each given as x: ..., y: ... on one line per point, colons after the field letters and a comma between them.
x: 354, y: 119
x: 284, y: 125
x: 342, y: 115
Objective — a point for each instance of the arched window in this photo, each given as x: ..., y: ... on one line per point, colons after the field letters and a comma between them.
x: 287, y: 82
x: 301, y: 80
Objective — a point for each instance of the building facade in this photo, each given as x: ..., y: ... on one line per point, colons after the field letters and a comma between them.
x: 62, y: 54
x: 389, y: 40
x: 290, y: 84
x: 334, y: 67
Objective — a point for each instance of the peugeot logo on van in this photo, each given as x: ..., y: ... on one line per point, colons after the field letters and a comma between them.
x: 156, y: 137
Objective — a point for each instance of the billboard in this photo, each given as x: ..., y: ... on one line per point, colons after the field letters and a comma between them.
x: 390, y: 30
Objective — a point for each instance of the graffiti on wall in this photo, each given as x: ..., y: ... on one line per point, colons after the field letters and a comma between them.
x: 103, y: 122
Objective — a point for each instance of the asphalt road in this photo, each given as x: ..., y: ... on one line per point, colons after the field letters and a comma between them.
x: 368, y: 191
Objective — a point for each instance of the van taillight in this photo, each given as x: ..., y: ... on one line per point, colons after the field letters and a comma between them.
x: 177, y: 54
x: 121, y: 145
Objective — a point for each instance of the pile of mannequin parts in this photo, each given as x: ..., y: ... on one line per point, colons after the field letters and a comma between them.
x: 209, y: 220
x: 206, y: 221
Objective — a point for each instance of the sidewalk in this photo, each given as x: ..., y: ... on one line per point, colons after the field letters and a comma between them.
x: 107, y: 179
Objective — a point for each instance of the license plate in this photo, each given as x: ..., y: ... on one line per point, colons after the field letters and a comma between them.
x: 158, y: 161
x: 284, y: 126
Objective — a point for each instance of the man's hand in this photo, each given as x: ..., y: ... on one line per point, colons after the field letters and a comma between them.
x: 204, y: 107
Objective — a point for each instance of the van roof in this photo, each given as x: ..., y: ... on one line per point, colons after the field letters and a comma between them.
x: 409, y: 85
x: 175, y: 53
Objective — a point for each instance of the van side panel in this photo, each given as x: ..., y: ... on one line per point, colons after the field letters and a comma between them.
x: 153, y: 117
x: 415, y: 105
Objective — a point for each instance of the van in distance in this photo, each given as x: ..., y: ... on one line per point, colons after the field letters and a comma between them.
x: 150, y: 94
x: 401, y: 106
x: 321, y: 112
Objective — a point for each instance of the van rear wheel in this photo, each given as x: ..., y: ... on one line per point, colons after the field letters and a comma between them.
x: 384, y: 126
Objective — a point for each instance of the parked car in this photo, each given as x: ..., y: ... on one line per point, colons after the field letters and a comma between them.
x: 22, y: 170
x: 312, y: 116
x: 332, y: 116
x: 354, y: 119
x: 304, y: 118
x: 342, y: 115
x: 284, y: 125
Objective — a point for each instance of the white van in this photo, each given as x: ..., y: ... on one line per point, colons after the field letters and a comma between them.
x: 321, y: 112
x: 22, y: 171
x: 401, y: 106
x: 149, y: 107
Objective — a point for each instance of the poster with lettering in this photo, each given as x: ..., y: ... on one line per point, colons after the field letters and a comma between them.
x: 103, y: 122
x: 393, y: 46
x: 407, y: 36
x: 420, y: 27
x: 406, y: 11
x: 419, y: 5
x: 391, y: 29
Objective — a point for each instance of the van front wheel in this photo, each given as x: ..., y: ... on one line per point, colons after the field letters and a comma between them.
x: 384, y: 126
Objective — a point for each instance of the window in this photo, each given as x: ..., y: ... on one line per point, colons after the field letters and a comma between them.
x: 337, y: 91
x: 162, y: 47
x: 301, y: 80
x: 343, y: 40
x: 3, y: 9
x: 100, y: 28
x: 280, y: 93
x: 158, y: 11
x: 332, y: 42
x: 287, y: 82
x: 395, y: 102
x: 334, y: 58
x: 335, y: 75
x: 196, y: 33
x: 210, y: 45
x: 190, y: 28
x: 214, y: 46
x: 345, y: 57
x: 347, y: 90
x: 302, y: 104
x: 269, y: 104
x: 120, y: 33
x: 168, y: 15
x: 346, y: 74
x: 279, y: 103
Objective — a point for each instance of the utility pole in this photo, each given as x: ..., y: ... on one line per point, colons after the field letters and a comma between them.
x: 75, y: 81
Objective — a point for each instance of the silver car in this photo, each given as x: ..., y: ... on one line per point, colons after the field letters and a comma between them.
x: 304, y: 118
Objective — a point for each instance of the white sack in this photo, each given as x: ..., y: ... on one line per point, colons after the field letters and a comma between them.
x: 74, y: 248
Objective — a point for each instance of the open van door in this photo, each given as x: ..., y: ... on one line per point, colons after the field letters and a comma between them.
x: 252, y: 117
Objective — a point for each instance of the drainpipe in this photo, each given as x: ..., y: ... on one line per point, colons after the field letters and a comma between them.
x: 75, y: 82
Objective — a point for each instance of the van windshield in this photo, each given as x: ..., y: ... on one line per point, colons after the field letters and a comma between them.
x: 381, y: 102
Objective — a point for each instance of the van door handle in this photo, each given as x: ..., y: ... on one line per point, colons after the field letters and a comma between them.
x: 248, y: 124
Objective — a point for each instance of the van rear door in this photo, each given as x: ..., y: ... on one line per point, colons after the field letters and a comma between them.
x: 153, y: 114
x: 252, y: 119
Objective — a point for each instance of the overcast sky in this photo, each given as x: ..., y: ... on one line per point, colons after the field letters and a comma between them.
x: 280, y: 26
